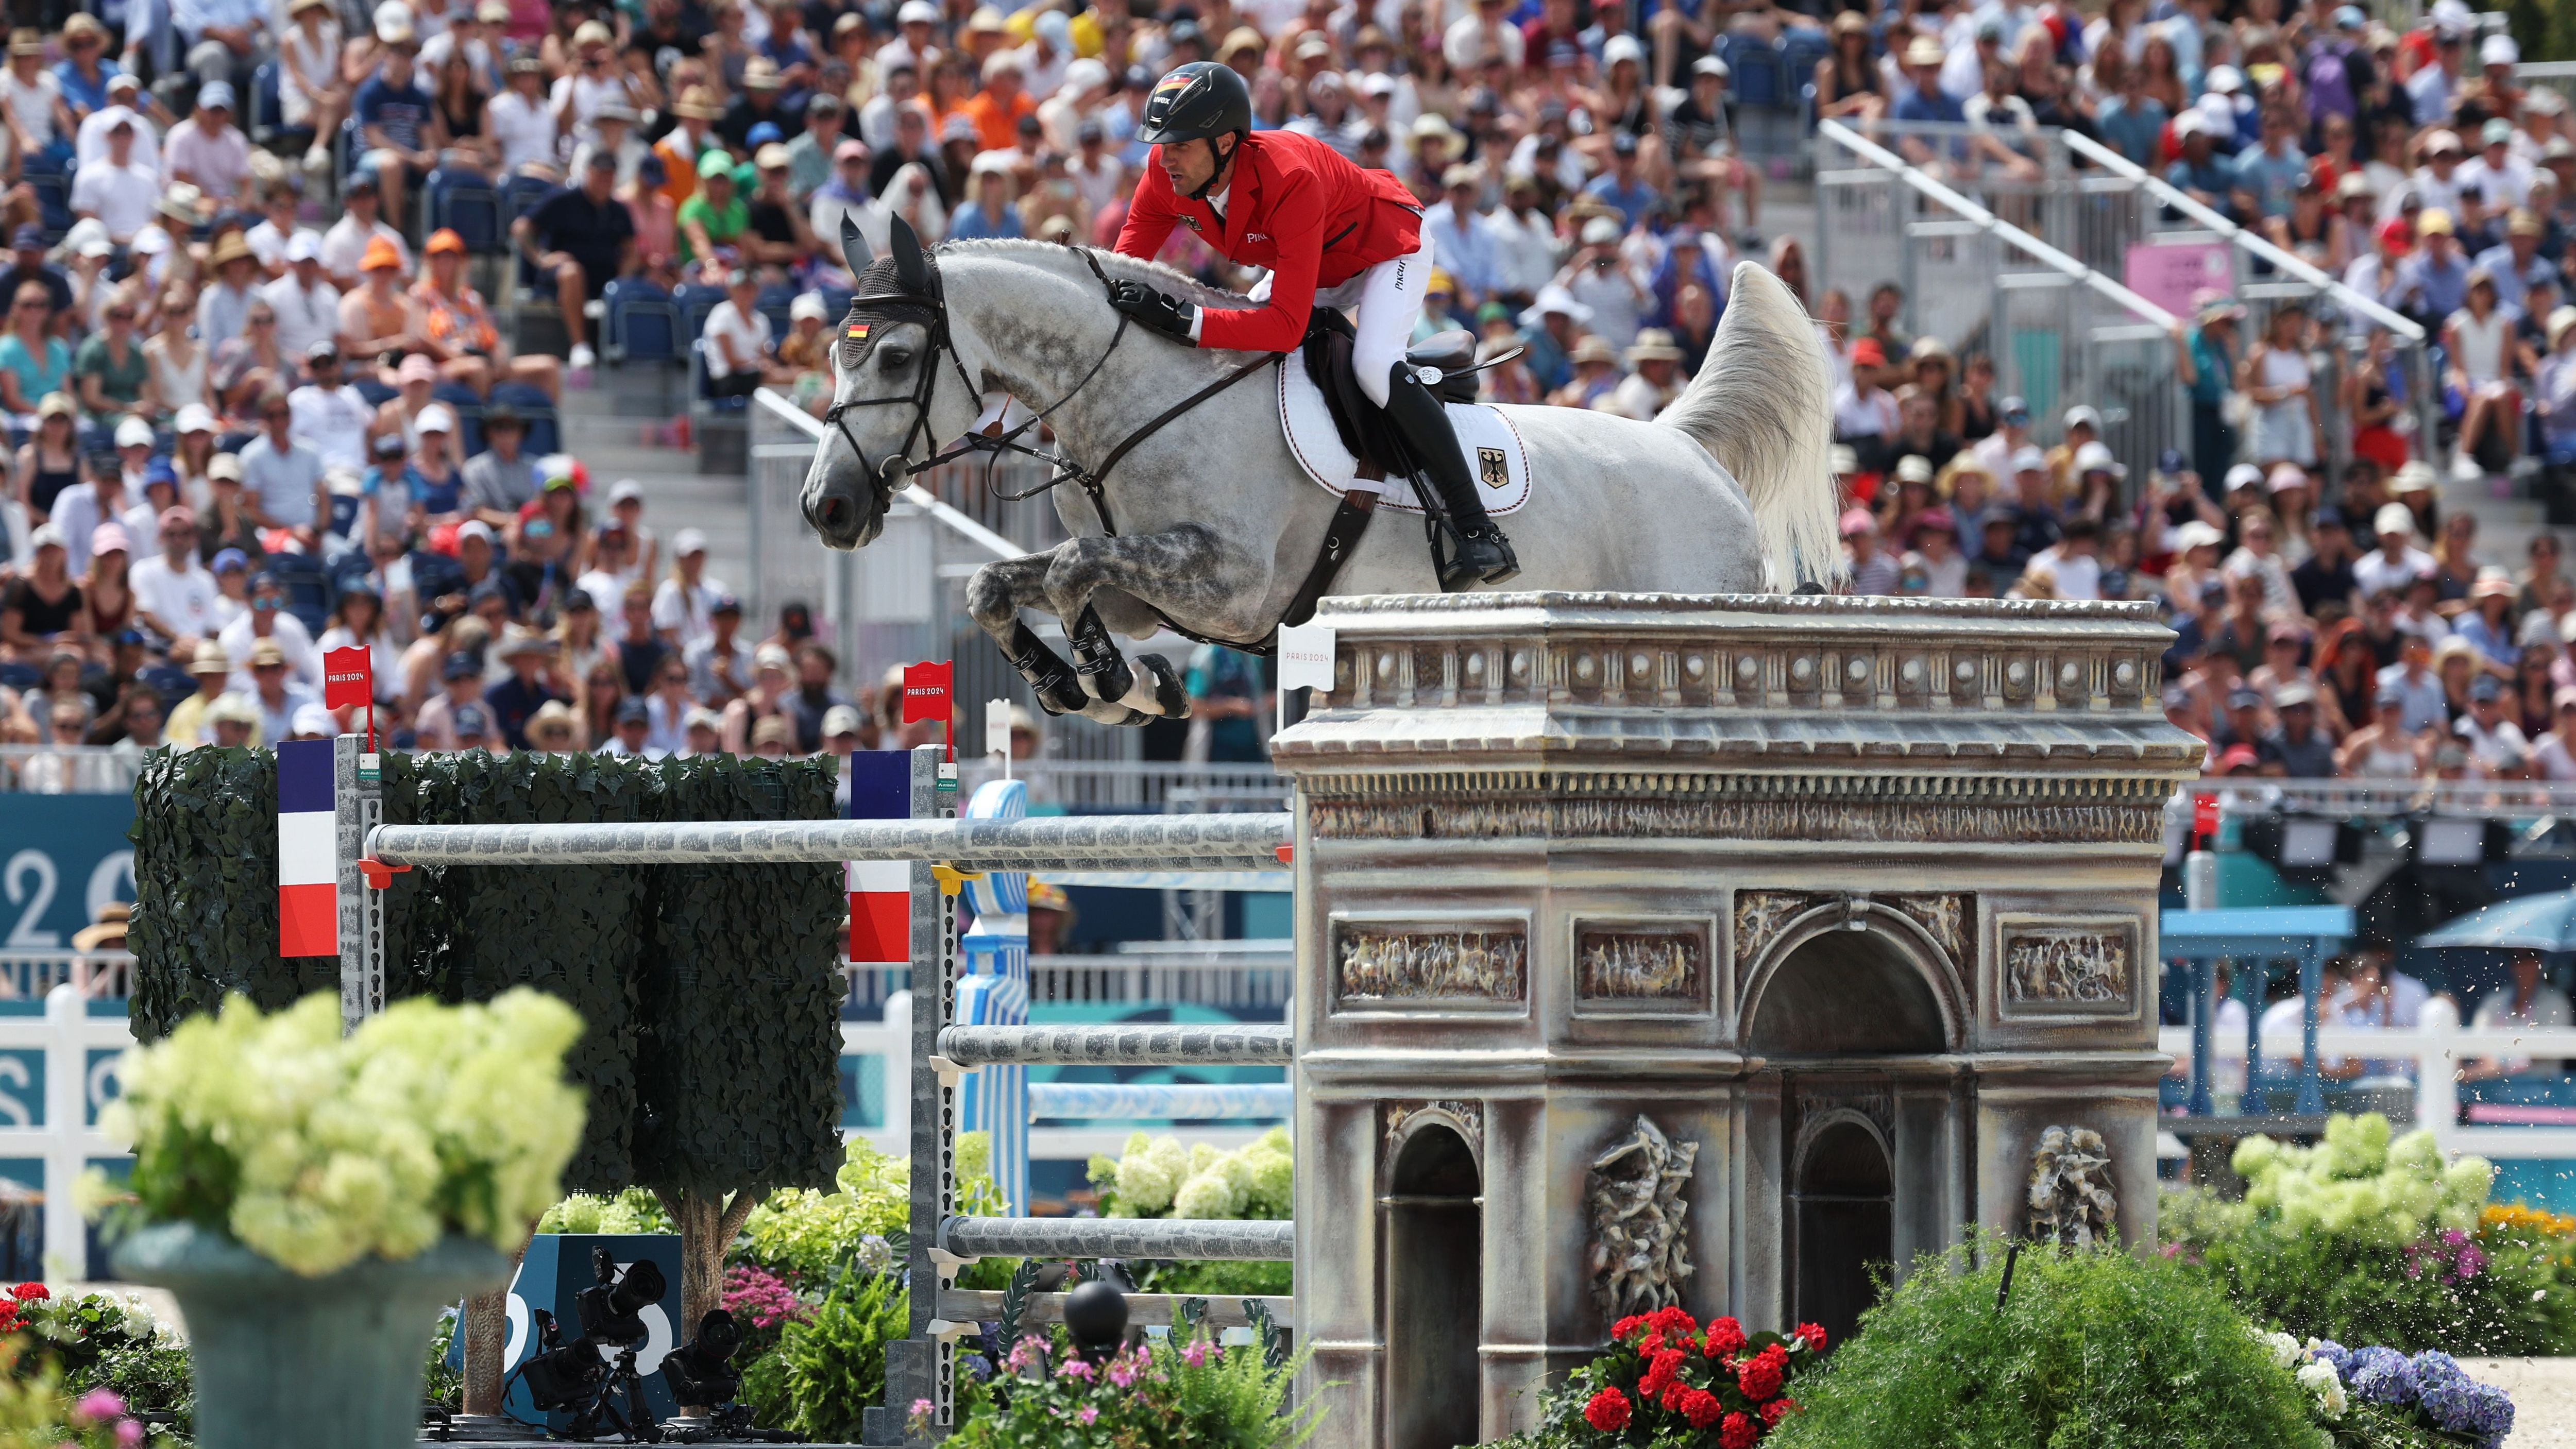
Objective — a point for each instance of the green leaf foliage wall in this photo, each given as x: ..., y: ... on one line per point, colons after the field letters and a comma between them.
x: 712, y: 992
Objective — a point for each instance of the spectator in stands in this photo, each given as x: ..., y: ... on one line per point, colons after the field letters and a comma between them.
x: 208, y: 151
x: 499, y: 481
x: 516, y: 699
x: 109, y: 369
x: 434, y: 724
x: 667, y: 708
x: 34, y: 362
x: 720, y: 663
x: 682, y: 605
x: 282, y: 475
x: 2529, y: 1003
x: 43, y: 604
x: 225, y: 302
x: 397, y: 120
x: 632, y: 727
x: 117, y: 189
x: 641, y: 647
x: 737, y: 341
x: 306, y: 305
x: 713, y: 221
x: 174, y: 594
x: 2297, y: 748
x: 583, y: 237
x: 352, y: 239
x: 330, y: 415
x: 772, y: 673
x: 275, y: 692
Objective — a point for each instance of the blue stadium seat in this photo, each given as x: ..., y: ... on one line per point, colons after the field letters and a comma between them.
x: 707, y: 402
x: 376, y: 393
x: 267, y: 116
x: 776, y: 303
x: 53, y: 201
x: 468, y: 407
x: 308, y: 590
x: 434, y: 574
x: 642, y: 325
x: 696, y: 301
x: 1756, y: 67
x: 465, y: 201
x: 519, y: 196
x: 1799, y: 52
x: 544, y: 431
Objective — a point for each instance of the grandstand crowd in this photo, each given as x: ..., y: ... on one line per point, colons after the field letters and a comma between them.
x: 260, y: 404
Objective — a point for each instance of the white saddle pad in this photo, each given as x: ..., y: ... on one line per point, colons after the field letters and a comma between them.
x: 1492, y: 445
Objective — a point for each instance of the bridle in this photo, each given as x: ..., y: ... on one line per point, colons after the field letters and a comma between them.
x: 931, y: 311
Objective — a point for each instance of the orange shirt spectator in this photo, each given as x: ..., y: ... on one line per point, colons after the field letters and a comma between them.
x: 997, y: 108
x: 698, y: 112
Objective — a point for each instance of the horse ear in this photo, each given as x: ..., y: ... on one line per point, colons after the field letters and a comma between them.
x: 911, y: 269
x: 854, y: 247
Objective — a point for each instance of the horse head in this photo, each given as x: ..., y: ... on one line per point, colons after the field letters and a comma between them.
x: 886, y: 385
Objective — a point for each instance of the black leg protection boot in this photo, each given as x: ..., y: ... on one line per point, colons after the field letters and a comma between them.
x: 1483, y: 555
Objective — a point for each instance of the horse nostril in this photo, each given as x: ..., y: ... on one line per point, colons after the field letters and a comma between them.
x: 835, y: 514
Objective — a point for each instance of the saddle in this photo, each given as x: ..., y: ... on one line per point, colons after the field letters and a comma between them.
x: 1364, y: 427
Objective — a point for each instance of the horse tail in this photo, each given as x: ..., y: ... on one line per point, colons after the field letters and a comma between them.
x: 1762, y: 405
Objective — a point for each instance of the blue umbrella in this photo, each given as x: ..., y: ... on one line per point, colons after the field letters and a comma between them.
x: 2528, y: 923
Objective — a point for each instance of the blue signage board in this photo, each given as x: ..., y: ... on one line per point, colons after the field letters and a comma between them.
x: 61, y: 858
x: 557, y: 1268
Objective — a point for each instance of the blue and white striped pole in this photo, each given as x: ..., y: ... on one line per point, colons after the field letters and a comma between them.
x: 993, y: 990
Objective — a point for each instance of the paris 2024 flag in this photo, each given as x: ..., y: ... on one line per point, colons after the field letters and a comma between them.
x: 308, y: 864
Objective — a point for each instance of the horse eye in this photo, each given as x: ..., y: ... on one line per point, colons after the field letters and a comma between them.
x: 895, y: 359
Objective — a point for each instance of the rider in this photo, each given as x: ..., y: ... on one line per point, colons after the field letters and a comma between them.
x: 1327, y: 231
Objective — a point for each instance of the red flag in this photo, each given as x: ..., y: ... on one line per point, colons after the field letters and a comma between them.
x: 348, y: 678
x: 2204, y: 816
x: 925, y: 691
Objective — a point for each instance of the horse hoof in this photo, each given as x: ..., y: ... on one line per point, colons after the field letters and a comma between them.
x: 1171, y: 697
x: 1111, y: 713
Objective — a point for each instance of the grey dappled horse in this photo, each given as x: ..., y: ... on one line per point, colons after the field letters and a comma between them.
x: 1216, y: 525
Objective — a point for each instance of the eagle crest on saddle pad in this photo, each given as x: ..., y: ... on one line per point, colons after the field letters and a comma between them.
x: 1493, y: 468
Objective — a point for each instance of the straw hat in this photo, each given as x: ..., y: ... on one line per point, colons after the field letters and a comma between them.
x: 698, y: 103
x: 109, y: 931
x: 233, y: 247
x: 1654, y: 344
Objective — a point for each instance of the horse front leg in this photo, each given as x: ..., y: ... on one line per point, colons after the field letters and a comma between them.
x: 994, y: 597
x: 1180, y: 572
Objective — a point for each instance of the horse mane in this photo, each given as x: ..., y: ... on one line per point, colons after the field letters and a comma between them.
x: 1056, y: 257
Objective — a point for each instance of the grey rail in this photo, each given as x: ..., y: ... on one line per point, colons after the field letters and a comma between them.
x: 1172, y: 842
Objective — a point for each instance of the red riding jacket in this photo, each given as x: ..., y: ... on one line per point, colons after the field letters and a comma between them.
x: 1296, y: 207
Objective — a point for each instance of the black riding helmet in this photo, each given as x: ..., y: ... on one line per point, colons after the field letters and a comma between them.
x: 1196, y: 102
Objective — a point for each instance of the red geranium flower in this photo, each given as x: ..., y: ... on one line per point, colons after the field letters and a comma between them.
x: 1674, y: 1394
x: 1738, y: 1432
x: 28, y: 1292
x: 1665, y: 1368
x: 1674, y: 1321
x: 1761, y: 1375
x: 1725, y: 1336
x: 1701, y: 1408
x: 1627, y: 1325
x: 1814, y: 1336
x: 1778, y: 1409
x: 1607, y: 1411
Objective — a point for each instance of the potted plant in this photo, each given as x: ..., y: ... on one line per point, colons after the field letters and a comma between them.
x: 313, y: 1199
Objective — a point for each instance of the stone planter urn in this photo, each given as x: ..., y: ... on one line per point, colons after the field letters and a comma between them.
x: 288, y: 1362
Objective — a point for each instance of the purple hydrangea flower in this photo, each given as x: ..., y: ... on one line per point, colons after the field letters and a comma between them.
x: 2433, y: 1366
x: 2465, y: 1406
x: 2382, y: 1376
x: 2329, y: 1351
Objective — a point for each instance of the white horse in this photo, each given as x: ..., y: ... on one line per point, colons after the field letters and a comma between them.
x: 1215, y: 526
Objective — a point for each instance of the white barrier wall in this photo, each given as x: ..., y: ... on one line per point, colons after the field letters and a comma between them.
x: 57, y: 1070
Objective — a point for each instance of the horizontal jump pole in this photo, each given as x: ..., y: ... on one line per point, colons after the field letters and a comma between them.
x: 1172, y: 1239
x: 1170, y: 842
x: 1175, y: 1101
x: 1118, y: 1046
x: 981, y: 1305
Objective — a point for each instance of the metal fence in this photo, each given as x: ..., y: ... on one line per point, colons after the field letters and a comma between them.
x: 2060, y: 331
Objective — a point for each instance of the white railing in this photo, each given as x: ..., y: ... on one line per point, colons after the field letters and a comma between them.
x: 2432, y: 1055
x: 57, y: 1070
x: 1135, y: 784
x: 68, y: 769
x: 2481, y: 799
x: 1220, y: 976
x: 28, y: 975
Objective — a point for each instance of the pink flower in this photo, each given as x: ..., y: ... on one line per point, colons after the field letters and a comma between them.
x: 1074, y: 1368
x: 1085, y: 1414
x: 1122, y: 1371
x: 100, y: 1405
x: 1194, y: 1353
x: 129, y: 1433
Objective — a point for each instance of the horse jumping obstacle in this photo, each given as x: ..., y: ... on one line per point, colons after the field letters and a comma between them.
x: 943, y: 852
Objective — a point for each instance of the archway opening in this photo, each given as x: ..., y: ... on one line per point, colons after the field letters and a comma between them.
x: 1434, y: 1302
x: 1845, y: 993
x: 1843, y: 1206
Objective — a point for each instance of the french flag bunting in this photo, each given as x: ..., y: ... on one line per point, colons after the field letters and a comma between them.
x: 308, y: 864
x: 880, y: 890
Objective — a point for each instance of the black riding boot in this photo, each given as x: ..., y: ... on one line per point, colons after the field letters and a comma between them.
x: 1483, y: 555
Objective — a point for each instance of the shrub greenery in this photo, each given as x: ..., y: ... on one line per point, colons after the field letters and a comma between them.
x: 2091, y: 1350
x: 2372, y: 1239
x: 829, y: 1366
x: 1187, y: 1392
x: 636, y: 1210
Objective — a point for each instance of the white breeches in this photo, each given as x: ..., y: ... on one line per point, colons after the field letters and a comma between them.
x: 1385, y: 303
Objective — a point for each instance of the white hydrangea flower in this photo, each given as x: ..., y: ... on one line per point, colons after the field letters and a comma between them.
x: 2318, y: 1377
